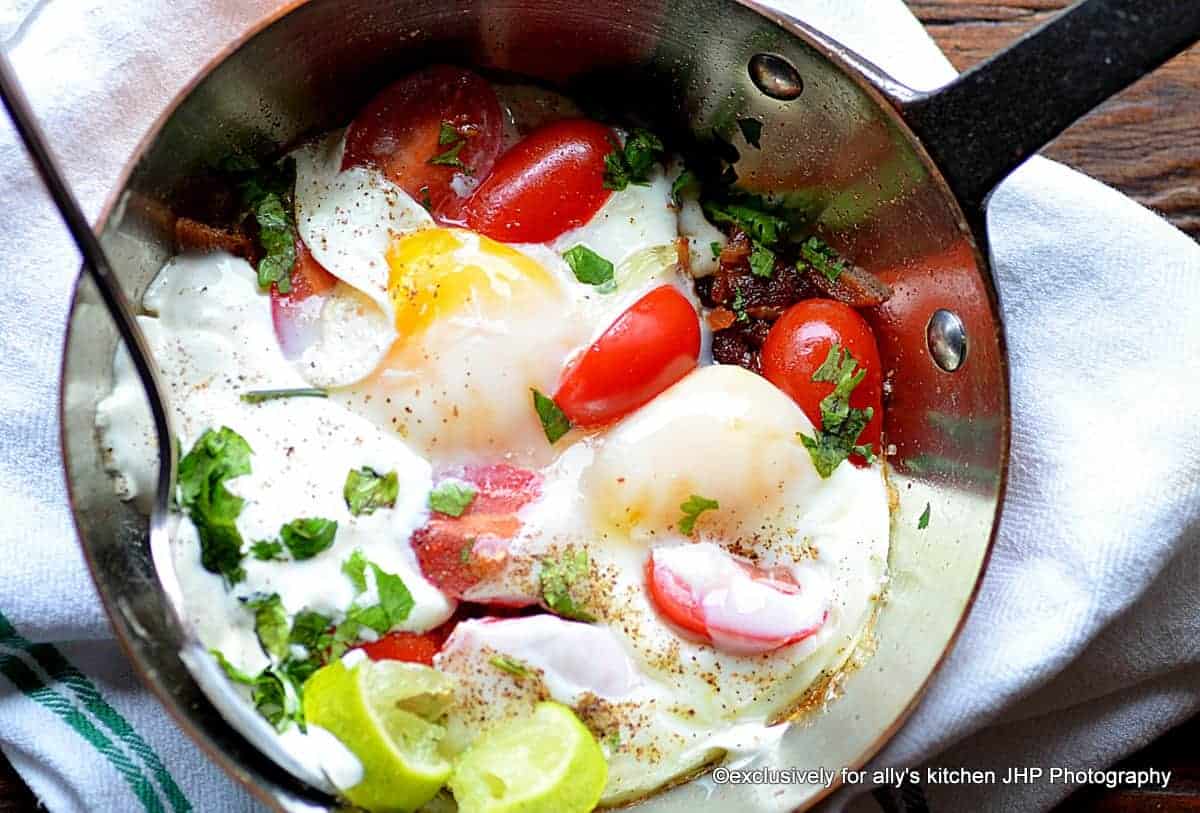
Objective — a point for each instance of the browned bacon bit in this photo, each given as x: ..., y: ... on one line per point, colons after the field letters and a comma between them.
x: 736, y: 253
x: 855, y: 287
x: 720, y: 318
x: 192, y: 235
x: 730, y: 347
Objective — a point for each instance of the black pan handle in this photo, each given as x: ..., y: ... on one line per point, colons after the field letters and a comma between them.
x: 986, y: 123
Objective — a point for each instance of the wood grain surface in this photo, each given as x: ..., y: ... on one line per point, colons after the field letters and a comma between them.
x: 1146, y: 143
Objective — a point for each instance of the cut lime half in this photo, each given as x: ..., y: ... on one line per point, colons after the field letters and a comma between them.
x: 546, y: 763
x: 383, y: 712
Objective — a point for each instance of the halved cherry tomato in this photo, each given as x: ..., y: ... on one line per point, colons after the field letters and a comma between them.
x: 295, y: 313
x: 456, y: 553
x: 725, y: 601
x: 648, y: 348
x: 398, y: 133
x: 414, y: 647
x: 799, y: 343
x: 549, y: 182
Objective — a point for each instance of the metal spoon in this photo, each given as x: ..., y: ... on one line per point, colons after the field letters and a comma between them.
x: 229, y: 703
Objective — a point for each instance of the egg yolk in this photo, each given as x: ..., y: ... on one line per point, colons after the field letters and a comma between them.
x: 435, y: 273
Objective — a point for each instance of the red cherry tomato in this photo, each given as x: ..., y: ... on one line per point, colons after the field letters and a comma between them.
x: 774, y: 614
x: 414, y: 647
x: 648, y: 348
x: 799, y: 343
x: 398, y: 133
x: 551, y: 181
x: 294, y: 314
x: 456, y: 553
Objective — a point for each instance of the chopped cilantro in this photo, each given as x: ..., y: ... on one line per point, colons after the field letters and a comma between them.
x: 511, y: 665
x: 841, y: 424
x: 464, y: 555
x: 692, y: 508
x: 373, y: 616
x: 276, y: 699
x: 426, y: 200
x: 298, y: 670
x: 749, y: 214
x: 751, y: 131
x: 394, y: 597
x: 715, y: 248
x: 258, y: 396
x: 555, y: 422
x: 923, y: 522
x: 823, y: 258
x: 367, y: 490
x: 738, y: 306
x: 218, y: 456
x: 267, y: 194
x: 558, y: 576
x: 271, y: 624
x: 309, y: 629
x: 686, y: 184
x: 613, y: 741
x: 231, y: 671
x: 451, y: 497
x: 762, y: 261
x: 448, y: 134
x: 588, y: 266
x: 355, y: 569
x: 450, y: 158
x: 632, y: 163
x: 307, y: 537
x: 266, y: 550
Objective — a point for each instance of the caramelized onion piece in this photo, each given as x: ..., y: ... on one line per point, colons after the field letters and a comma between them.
x: 855, y: 287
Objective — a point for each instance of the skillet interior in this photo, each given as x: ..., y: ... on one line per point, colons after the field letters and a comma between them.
x: 682, y: 65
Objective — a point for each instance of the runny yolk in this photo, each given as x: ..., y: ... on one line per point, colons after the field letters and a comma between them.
x: 436, y: 273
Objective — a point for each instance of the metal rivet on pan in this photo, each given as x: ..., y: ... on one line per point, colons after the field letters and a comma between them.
x: 947, y: 340
x: 776, y: 77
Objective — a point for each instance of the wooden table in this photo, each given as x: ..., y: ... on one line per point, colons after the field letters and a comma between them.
x: 1146, y: 143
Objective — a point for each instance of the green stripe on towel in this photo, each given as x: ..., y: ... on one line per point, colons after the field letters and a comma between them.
x: 63, y: 671
x: 31, y: 685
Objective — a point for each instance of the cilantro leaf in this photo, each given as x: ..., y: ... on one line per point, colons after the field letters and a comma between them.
x: 513, y: 666
x: 309, y: 629
x: 450, y: 158
x: 394, y: 597
x: 307, y: 537
x: 258, y: 396
x: 751, y: 131
x: 451, y: 497
x: 448, y: 134
x: 231, y: 671
x: 367, y: 490
x: 266, y: 550
x: 218, y: 456
x: 821, y: 256
x: 841, y: 424
x: 692, y: 508
x: 738, y: 306
x: 715, y: 248
x: 923, y: 522
x: 555, y: 422
x: 426, y: 200
x: 270, y: 624
x: 687, y: 183
x: 762, y: 261
x: 558, y: 576
x: 632, y: 163
x: 749, y: 214
x: 267, y: 195
x: 355, y: 569
x: 588, y: 266
x: 276, y: 699
x: 299, y: 670
x: 373, y: 616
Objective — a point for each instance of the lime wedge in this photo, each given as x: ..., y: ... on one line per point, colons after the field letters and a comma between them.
x: 547, y: 763
x: 383, y: 712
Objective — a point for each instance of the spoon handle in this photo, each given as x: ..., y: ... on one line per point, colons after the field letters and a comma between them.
x: 96, y: 263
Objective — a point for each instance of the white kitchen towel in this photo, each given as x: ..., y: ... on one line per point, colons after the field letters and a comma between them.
x: 1084, y: 643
